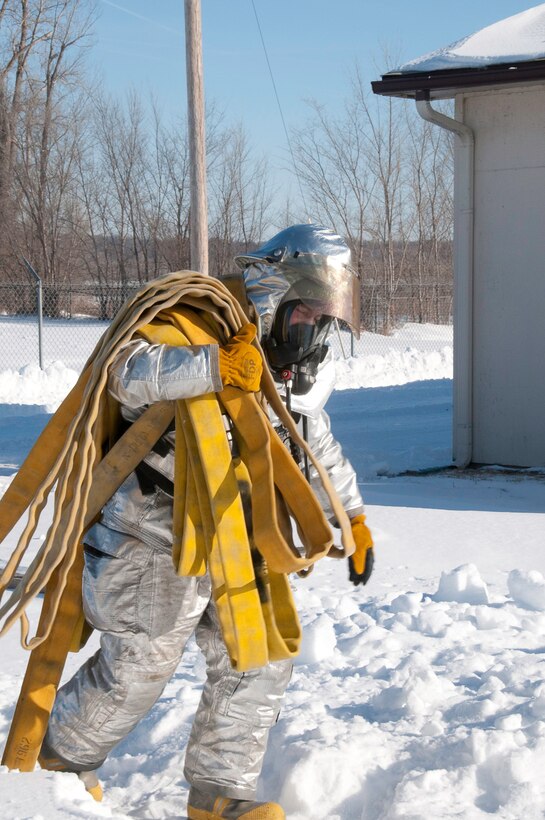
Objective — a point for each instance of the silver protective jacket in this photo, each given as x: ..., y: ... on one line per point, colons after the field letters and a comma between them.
x: 144, y: 373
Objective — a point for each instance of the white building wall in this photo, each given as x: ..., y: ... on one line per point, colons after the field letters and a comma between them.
x: 508, y: 380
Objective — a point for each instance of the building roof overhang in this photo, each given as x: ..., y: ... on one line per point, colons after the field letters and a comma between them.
x: 445, y: 83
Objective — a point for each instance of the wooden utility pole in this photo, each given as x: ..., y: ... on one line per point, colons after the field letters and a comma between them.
x: 198, y: 221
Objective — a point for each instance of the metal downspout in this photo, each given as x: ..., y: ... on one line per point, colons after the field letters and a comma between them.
x: 463, y: 292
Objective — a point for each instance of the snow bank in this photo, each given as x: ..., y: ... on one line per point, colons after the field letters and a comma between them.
x: 395, y: 367
x: 527, y: 589
x: 319, y: 640
x: 426, y: 708
x: 464, y: 585
x: 32, y: 386
x: 412, y: 353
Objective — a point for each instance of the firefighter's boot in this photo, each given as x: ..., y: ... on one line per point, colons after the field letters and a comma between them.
x: 49, y: 760
x: 202, y: 806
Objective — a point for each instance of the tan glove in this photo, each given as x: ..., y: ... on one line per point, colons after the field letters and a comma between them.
x: 360, y: 564
x: 240, y: 363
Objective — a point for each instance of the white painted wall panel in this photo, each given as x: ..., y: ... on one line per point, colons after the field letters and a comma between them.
x: 509, y: 276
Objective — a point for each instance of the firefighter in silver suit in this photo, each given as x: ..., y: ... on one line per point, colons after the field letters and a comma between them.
x: 297, y: 284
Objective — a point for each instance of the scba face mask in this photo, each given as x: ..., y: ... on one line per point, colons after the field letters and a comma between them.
x: 296, y: 345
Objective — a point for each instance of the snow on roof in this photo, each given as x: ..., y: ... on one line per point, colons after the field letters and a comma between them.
x: 516, y: 39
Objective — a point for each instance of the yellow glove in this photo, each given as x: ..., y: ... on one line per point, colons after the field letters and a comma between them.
x: 360, y: 564
x: 240, y: 363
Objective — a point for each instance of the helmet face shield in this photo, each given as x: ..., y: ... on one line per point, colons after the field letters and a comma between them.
x: 338, y: 297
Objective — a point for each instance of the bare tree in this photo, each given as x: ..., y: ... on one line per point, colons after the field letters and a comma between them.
x: 390, y: 225
x: 48, y: 130
x: 134, y: 180
x: 332, y: 163
x: 430, y: 199
x: 99, y: 189
x: 96, y: 226
x: 380, y: 180
x: 173, y: 155
x: 240, y: 200
x: 23, y: 26
x: 353, y: 172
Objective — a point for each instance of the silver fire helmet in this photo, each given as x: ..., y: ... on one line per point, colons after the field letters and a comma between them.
x: 307, y: 263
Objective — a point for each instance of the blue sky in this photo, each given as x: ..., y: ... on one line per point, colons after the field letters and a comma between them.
x: 312, y: 45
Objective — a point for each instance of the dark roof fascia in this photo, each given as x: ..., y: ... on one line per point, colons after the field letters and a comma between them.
x: 453, y: 80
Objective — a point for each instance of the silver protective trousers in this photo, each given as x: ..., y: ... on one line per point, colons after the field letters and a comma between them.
x: 146, y: 614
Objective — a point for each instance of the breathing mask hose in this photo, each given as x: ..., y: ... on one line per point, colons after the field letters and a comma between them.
x: 287, y: 377
x: 305, y: 436
x: 287, y: 384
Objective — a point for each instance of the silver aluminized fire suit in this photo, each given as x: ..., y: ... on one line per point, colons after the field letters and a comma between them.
x: 146, y: 613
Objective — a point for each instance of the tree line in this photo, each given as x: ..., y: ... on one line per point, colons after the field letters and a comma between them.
x: 94, y: 190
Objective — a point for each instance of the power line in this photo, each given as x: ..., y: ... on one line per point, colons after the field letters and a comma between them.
x: 280, y: 109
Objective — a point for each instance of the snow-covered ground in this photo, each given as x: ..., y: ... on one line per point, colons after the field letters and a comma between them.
x: 419, y: 696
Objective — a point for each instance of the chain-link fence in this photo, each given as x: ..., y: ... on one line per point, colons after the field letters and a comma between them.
x: 71, y: 323
x: 70, y: 328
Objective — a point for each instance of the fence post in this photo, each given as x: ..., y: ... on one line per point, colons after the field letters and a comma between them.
x: 39, y: 289
x: 340, y: 339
